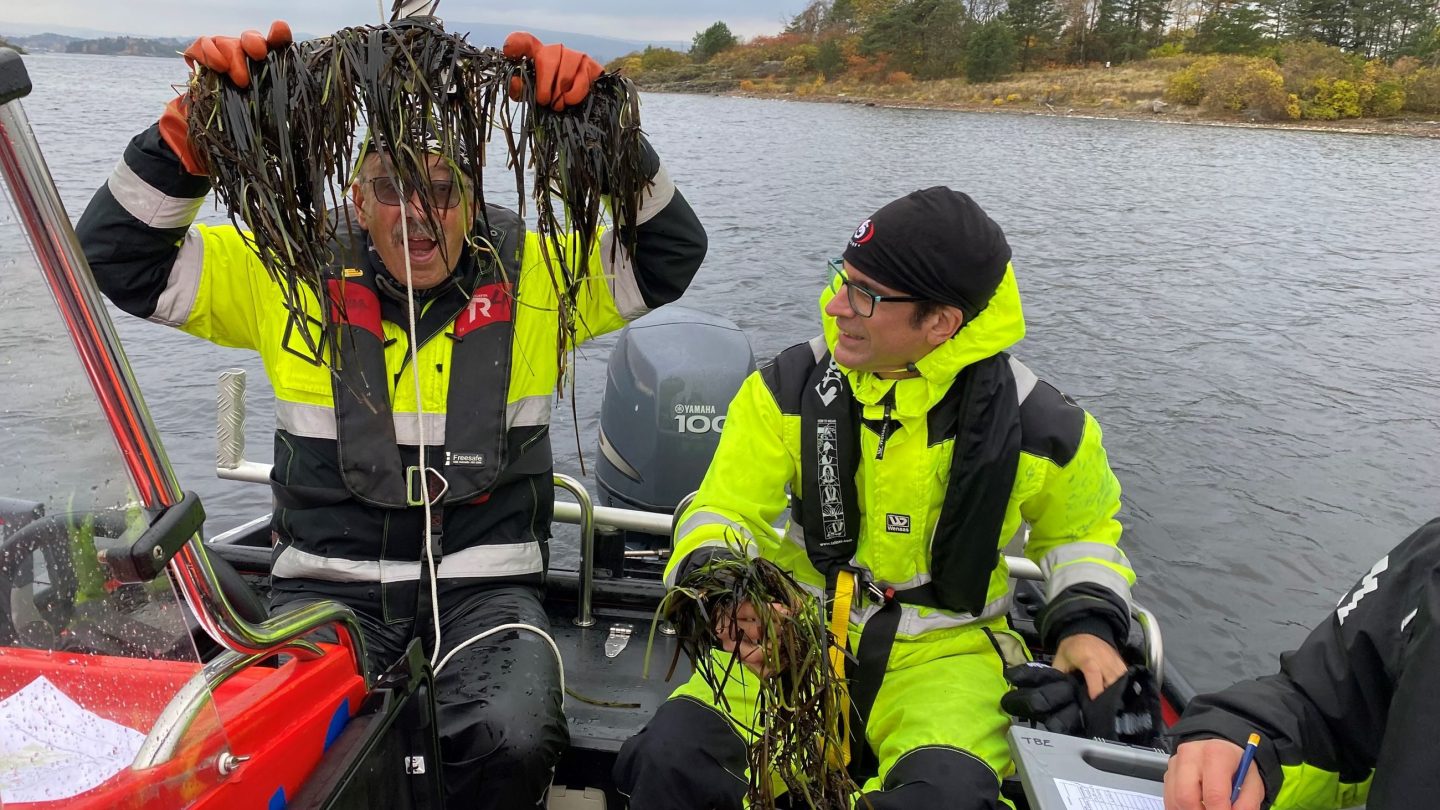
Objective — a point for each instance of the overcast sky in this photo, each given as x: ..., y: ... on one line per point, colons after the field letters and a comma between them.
x: 623, y: 19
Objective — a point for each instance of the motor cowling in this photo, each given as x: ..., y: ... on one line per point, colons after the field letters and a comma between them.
x: 671, y: 377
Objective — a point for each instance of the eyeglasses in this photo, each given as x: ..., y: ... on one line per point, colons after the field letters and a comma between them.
x: 863, y: 299
x: 441, y: 193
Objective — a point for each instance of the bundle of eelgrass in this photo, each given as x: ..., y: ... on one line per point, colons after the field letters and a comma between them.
x: 800, y: 723
x: 280, y: 154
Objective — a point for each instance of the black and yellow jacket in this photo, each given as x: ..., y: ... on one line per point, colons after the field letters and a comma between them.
x: 1063, y: 486
x: 153, y: 262
x: 1352, y: 716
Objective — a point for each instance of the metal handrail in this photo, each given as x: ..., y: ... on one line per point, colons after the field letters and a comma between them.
x: 585, y: 617
x: 1154, y: 642
x: 179, y: 714
x: 67, y: 274
x: 585, y: 514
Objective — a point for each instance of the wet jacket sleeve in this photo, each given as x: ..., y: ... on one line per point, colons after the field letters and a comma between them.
x: 670, y: 244
x: 1074, y: 535
x: 1358, y: 691
x: 151, y: 261
x: 743, y: 493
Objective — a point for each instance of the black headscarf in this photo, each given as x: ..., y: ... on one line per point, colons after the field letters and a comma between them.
x: 937, y: 244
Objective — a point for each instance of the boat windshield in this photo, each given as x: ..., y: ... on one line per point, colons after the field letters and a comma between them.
x: 99, y: 696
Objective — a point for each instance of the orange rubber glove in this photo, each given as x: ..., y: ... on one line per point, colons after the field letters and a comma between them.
x: 562, y: 76
x: 228, y: 55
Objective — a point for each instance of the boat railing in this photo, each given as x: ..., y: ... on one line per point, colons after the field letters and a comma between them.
x: 232, y: 465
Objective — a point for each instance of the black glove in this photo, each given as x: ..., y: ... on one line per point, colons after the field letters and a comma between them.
x: 1128, y: 711
x: 1045, y: 696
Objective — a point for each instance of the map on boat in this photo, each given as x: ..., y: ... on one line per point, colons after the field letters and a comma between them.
x: 53, y: 748
x: 1083, y: 796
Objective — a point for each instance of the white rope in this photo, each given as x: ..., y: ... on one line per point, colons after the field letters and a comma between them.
x: 554, y: 648
x: 420, y: 418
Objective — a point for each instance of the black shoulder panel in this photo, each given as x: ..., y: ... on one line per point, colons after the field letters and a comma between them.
x: 1051, y: 424
x: 787, y: 374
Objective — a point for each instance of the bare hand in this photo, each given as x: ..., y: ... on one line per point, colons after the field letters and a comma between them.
x: 1202, y: 773
x: 742, y: 628
x: 1094, y: 657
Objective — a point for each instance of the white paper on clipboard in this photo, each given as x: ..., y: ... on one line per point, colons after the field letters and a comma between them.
x: 1082, y: 796
x: 53, y: 748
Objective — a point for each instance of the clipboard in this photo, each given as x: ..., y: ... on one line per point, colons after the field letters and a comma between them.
x: 1061, y: 772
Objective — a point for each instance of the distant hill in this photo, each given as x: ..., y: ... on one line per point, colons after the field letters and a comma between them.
x: 74, y: 40
x: 128, y: 46
x: 42, y: 42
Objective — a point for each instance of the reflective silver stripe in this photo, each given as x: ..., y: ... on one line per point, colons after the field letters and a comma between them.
x: 501, y: 560
x: 476, y: 562
x: 1078, y: 572
x: 178, y: 300
x: 292, y: 563
x: 1025, y: 379
x: 318, y: 422
x: 656, y: 197
x: 912, y: 623
x: 719, y: 542
x: 701, y: 519
x: 1074, y: 563
x: 619, y: 268
x: 148, y: 204
x: 407, y: 428
x: 310, y: 421
x: 528, y: 412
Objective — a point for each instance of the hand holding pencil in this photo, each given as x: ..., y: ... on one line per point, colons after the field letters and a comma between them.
x: 1214, y: 775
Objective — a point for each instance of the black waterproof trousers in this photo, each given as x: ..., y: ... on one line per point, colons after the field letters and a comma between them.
x: 499, y: 705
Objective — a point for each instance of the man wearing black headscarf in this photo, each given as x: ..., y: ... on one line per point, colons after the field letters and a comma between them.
x: 909, y: 448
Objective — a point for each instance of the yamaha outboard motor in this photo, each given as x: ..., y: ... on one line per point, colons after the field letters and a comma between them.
x: 671, y: 377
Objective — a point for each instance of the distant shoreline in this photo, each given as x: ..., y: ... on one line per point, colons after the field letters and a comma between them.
x: 1412, y: 126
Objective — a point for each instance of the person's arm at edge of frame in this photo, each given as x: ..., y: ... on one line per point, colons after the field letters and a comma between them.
x: 1320, y: 718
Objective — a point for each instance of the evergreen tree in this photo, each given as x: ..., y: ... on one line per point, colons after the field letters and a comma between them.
x: 925, y: 38
x: 1238, y: 29
x: 991, y: 53
x: 1036, y: 24
x: 711, y: 41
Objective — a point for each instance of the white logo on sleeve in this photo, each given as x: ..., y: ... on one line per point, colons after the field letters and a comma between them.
x: 899, y: 524
x: 1368, y: 585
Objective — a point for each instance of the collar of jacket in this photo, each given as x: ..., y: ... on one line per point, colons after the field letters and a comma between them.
x: 998, y: 327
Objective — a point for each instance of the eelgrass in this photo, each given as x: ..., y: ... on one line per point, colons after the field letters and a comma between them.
x: 800, y: 722
x: 282, y: 153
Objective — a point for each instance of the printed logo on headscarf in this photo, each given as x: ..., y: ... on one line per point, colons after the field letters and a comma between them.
x: 862, y: 234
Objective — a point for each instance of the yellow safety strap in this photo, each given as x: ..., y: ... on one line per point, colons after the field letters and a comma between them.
x: 840, y: 630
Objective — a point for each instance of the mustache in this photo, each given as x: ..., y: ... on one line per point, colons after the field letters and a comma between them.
x: 416, y: 230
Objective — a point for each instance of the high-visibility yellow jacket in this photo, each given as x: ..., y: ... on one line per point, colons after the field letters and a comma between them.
x: 153, y: 262
x: 1063, y: 490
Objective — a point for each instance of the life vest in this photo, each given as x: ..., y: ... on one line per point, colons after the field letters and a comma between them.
x: 981, y: 411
